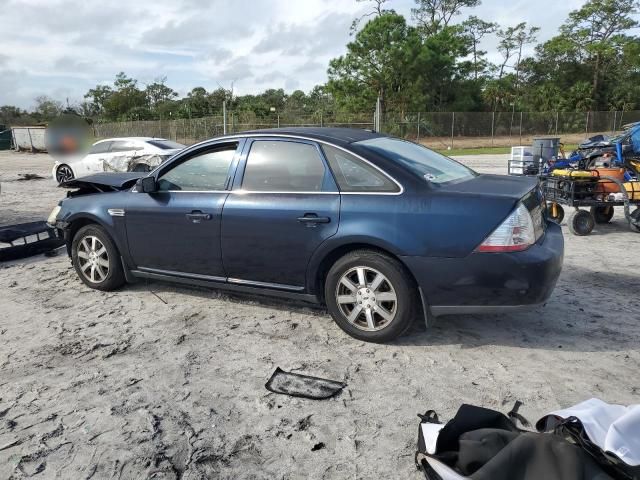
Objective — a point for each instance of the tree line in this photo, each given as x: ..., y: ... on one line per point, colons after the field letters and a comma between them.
x: 432, y: 61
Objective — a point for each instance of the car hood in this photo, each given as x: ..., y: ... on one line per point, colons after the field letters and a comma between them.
x: 504, y: 186
x: 108, y: 181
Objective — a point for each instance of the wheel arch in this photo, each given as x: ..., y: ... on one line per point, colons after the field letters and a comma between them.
x: 77, y: 223
x: 318, y: 273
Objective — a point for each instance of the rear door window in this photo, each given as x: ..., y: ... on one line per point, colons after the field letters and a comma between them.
x: 284, y: 166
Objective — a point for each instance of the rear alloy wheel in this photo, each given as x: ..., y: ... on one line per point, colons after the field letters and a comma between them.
x: 602, y: 214
x: 370, y: 296
x: 581, y: 223
x: 64, y: 174
x: 96, y: 259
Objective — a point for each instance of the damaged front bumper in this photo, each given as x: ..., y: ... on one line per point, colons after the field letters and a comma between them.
x: 28, y: 239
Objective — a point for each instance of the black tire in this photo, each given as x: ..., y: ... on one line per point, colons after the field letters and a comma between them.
x: 397, y: 281
x: 602, y: 214
x: 64, y: 173
x: 634, y: 225
x: 559, y: 213
x: 581, y: 223
x: 114, y: 277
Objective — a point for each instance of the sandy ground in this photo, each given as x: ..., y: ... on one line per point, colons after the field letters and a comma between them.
x: 159, y: 381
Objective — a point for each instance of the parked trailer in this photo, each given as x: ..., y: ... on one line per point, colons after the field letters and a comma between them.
x: 31, y: 139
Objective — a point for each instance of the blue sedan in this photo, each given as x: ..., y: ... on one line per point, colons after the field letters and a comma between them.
x: 380, y: 230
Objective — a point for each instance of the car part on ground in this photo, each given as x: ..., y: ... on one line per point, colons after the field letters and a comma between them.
x: 390, y: 234
x: 27, y: 239
x: 305, y: 386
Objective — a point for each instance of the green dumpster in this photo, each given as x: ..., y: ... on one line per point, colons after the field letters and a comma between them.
x: 5, y: 138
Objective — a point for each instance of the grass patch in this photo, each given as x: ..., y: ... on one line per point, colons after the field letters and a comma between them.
x: 489, y: 150
x: 475, y: 151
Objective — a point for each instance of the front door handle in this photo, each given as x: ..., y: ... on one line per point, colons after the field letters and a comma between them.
x: 311, y: 218
x: 197, y: 216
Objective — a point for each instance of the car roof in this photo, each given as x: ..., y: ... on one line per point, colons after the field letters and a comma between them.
x: 121, y: 139
x: 330, y: 134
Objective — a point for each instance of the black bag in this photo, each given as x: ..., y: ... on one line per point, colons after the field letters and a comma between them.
x: 483, y: 444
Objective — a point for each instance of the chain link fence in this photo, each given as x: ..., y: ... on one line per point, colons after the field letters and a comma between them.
x: 436, y: 129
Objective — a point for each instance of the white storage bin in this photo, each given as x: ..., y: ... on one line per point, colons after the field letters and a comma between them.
x: 521, y: 153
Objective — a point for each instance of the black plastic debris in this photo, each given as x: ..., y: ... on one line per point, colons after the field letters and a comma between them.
x: 303, y: 386
x: 22, y: 177
x: 27, y: 239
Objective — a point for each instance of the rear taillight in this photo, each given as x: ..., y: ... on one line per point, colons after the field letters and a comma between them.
x: 516, y: 233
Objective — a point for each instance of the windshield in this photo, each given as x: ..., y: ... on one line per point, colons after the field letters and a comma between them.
x: 430, y: 165
x: 165, y: 144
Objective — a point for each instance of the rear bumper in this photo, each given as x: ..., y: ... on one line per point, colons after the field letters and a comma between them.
x: 491, y: 282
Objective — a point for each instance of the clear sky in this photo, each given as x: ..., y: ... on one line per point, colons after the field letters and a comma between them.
x: 61, y: 48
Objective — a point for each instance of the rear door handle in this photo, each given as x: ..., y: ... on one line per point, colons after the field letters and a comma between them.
x: 197, y: 216
x: 310, y: 218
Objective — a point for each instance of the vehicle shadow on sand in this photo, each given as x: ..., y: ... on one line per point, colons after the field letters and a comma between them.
x: 588, y: 311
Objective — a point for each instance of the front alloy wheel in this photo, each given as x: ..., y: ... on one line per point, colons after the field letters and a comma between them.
x: 93, y: 259
x: 96, y: 259
x: 371, y: 296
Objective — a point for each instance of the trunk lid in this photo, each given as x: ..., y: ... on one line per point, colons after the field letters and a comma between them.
x: 503, y: 186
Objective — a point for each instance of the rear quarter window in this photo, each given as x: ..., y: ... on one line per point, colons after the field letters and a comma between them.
x: 355, y: 175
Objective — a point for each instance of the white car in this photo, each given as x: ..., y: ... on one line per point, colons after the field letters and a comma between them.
x: 128, y: 154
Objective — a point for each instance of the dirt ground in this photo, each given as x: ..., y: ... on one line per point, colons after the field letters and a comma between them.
x: 160, y: 381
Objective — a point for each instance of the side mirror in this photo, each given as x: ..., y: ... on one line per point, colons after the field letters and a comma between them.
x: 147, y: 185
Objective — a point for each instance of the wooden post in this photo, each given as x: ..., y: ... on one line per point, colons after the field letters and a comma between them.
x: 586, y: 127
